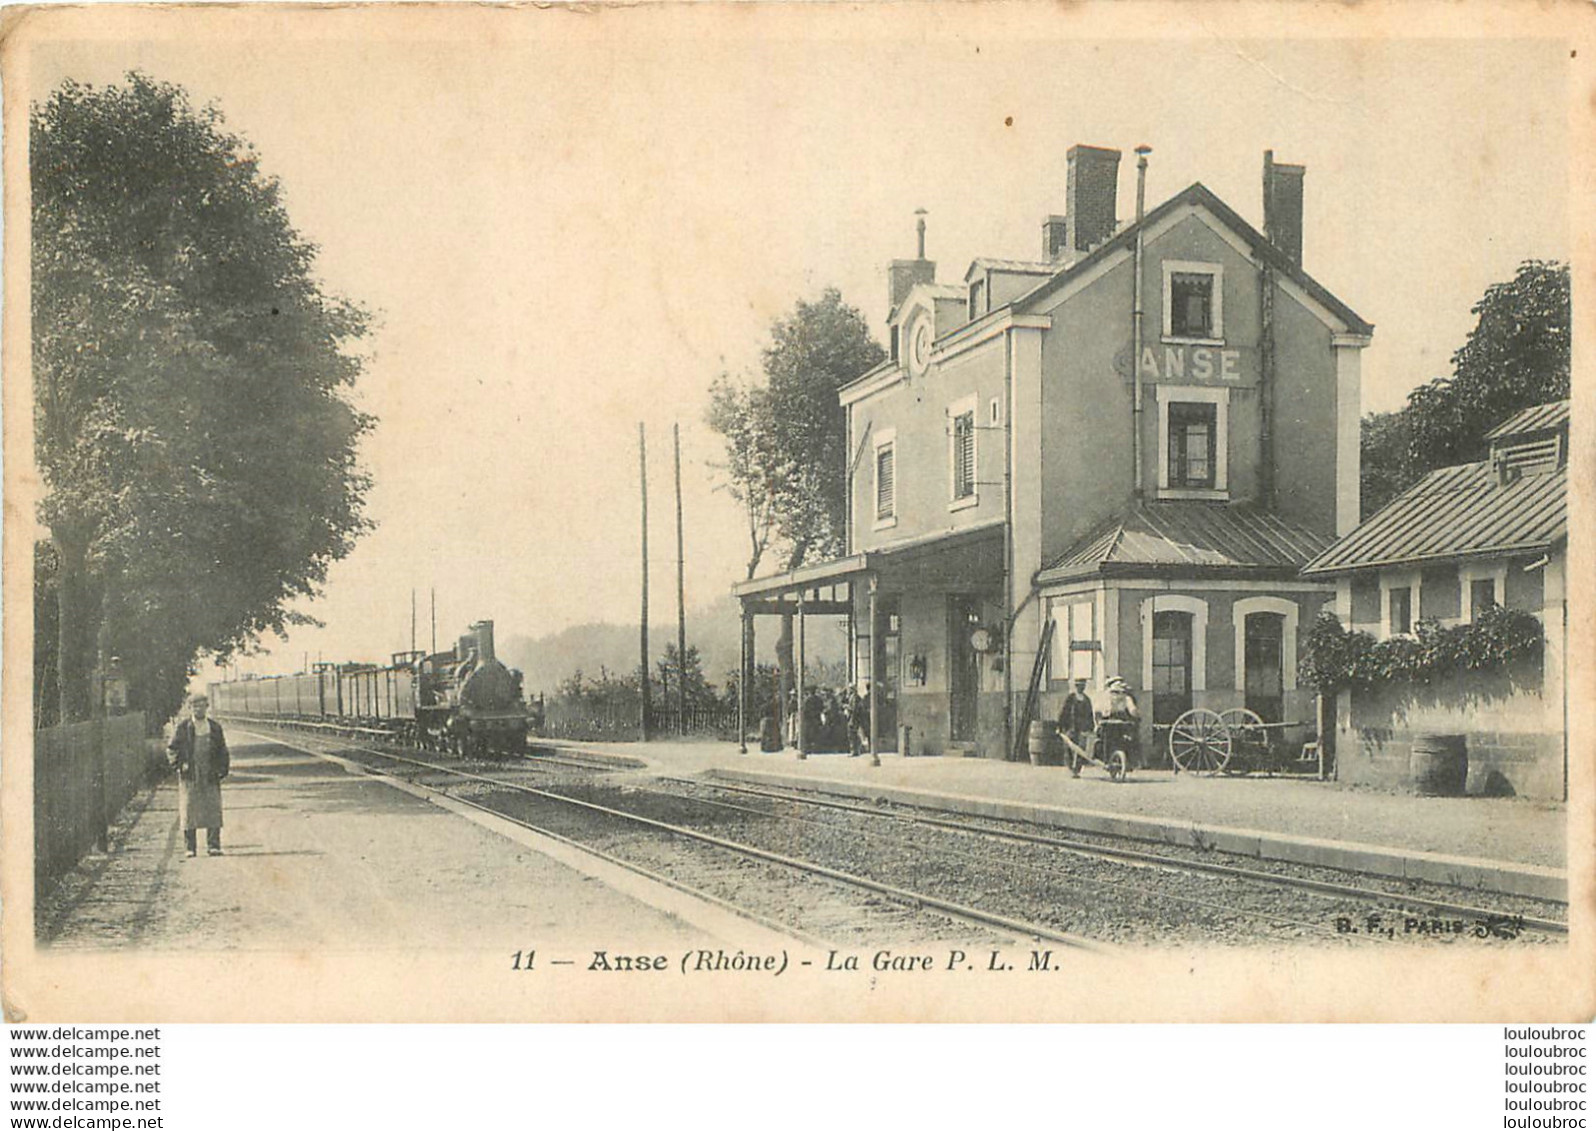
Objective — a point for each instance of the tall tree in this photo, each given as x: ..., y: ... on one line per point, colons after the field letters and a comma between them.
x: 193, y: 431
x: 787, y: 441
x: 1516, y: 356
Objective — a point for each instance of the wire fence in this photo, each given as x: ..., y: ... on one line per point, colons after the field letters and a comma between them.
x: 623, y: 723
x: 83, y: 773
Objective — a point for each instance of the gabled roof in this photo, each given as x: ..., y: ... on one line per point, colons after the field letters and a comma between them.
x: 1199, y: 194
x: 1012, y: 266
x: 1454, y: 513
x: 1540, y: 418
x: 1185, y: 537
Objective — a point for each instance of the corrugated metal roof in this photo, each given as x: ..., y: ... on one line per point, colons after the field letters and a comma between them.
x: 1019, y: 266
x: 1195, y: 535
x: 1537, y: 419
x: 1456, y: 512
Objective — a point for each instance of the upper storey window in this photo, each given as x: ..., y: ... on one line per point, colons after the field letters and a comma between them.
x: 1192, y: 436
x: 886, y: 478
x: 1193, y: 302
x: 1193, y: 442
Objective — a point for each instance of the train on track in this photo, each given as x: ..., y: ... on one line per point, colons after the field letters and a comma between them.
x: 464, y: 700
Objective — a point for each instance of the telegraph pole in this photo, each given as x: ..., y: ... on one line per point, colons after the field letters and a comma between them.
x: 681, y: 595
x: 434, y: 618
x: 642, y: 668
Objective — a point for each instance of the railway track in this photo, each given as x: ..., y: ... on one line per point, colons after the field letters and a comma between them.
x: 987, y: 874
x: 1378, y: 896
x: 902, y: 926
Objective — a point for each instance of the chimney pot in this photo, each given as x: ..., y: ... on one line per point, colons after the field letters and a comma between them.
x: 904, y: 274
x: 1055, y: 237
x: 1282, y: 193
x: 1090, y: 188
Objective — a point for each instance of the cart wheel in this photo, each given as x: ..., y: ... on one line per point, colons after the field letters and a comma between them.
x: 1246, y: 728
x: 1118, y: 764
x: 1199, y: 742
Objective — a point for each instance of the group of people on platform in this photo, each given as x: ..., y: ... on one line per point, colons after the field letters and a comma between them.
x: 834, y: 719
x: 837, y: 719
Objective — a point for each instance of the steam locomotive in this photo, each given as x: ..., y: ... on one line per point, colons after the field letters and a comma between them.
x: 463, y: 700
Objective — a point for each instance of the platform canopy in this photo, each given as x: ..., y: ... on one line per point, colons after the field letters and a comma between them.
x: 973, y: 555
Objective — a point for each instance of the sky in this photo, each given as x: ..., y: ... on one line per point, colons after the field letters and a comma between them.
x: 570, y: 224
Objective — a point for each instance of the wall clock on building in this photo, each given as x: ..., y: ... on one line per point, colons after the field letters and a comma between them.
x: 919, y: 342
x: 982, y: 640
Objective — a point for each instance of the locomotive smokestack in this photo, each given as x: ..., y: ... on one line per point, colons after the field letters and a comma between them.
x: 484, y: 631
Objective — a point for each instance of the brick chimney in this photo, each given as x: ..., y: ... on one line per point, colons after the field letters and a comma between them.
x: 1091, y: 183
x: 904, y: 274
x: 1055, y: 237
x: 1282, y: 200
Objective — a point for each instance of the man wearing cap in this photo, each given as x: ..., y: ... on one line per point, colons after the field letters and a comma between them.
x: 198, y: 752
x: 1076, y: 721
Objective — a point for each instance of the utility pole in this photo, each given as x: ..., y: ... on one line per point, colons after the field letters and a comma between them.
x: 434, y: 618
x: 412, y: 618
x: 642, y: 665
x: 681, y: 595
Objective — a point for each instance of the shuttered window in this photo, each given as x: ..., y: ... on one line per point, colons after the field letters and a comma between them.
x: 886, y: 485
x: 964, y: 455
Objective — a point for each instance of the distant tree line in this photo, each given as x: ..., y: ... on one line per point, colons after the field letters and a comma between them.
x: 192, y: 425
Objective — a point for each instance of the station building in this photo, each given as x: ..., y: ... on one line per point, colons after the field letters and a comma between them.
x: 1111, y: 460
x: 1461, y: 540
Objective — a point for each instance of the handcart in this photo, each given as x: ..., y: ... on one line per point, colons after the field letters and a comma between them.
x: 1236, y: 740
x: 1111, y: 747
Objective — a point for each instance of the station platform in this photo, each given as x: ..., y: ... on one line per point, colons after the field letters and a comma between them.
x: 317, y: 858
x: 1497, y: 844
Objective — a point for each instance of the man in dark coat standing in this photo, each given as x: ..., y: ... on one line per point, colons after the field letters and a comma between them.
x: 1076, y: 721
x: 198, y: 752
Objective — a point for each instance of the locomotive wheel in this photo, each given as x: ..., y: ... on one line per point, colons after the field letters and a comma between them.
x: 1118, y: 764
x: 1247, y: 729
x: 1199, y: 742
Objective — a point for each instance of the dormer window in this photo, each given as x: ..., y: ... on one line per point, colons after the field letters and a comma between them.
x: 977, y: 299
x: 1519, y: 457
x: 1193, y: 302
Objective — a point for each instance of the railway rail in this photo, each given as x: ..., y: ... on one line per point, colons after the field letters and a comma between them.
x: 1285, y: 875
x: 982, y: 873
x: 989, y: 926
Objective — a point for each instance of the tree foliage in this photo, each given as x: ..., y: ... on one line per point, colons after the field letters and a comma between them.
x: 786, y: 438
x: 193, y: 431
x: 1516, y: 356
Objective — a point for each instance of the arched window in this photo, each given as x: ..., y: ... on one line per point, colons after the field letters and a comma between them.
x: 1266, y: 653
x: 1172, y: 666
x: 1174, y: 653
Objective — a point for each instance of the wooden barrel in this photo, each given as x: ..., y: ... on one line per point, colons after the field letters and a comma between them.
x: 1439, y: 764
x: 1041, y: 739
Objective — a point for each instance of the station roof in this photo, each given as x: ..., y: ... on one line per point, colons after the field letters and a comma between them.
x: 1200, y: 195
x: 1013, y: 266
x: 1184, y: 537
x: 1540, y: 418
x: 1455, y: 513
